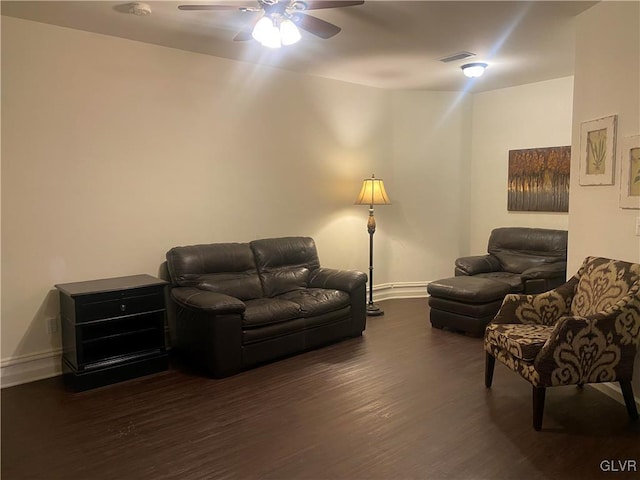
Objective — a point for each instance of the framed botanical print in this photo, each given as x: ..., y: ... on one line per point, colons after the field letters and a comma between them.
x: 630, y: 172
x: 597, y: 151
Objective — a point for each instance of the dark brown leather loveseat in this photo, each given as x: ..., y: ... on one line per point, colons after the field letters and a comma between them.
x: 242, y: 304
x: 529, y: 260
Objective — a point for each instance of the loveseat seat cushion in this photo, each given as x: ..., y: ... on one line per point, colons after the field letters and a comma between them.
x: 317, y: 301
x: 268, y: 311
x: 227, y: 268
x: 302, y: 328
x: 284, y: 264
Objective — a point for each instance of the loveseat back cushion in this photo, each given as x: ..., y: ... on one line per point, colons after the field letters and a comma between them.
x: 284, y: 264
x: 521, y: 248
x: 227, y: 268
x: 602, y: 284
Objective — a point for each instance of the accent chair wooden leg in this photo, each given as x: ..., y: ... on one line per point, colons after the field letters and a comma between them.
x: 538, y: 407
x: 630, y: 402
x: 490, y: 363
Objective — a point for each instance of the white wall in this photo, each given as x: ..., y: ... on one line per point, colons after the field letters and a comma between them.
x: 527, y: 116
x: 607, y: 81
x: 428, y: 226
x: 114, y: 151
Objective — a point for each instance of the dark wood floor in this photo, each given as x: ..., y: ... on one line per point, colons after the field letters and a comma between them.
x: 404, y: 401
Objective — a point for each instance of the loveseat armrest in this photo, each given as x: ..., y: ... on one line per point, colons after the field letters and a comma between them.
x: 544, y: 271
x: 345, y: 280
x: 475, y: 264
x: 202, y: 300
x: 350, y: 281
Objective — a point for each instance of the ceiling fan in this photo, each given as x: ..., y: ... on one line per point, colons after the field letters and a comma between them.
x: 281, y: 19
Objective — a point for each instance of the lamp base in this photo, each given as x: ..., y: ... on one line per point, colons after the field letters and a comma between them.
x: 374, y: 310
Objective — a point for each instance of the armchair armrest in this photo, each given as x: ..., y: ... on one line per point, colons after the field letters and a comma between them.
x: 196, y: 299
x: 596, y: 348
x: 545, y: 271
x: 477, y: 264
x: 541, y: 309
x: 345, y: 280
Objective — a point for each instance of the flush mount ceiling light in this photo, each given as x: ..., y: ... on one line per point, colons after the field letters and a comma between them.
x: 473, y: 70
x: 139, y: 8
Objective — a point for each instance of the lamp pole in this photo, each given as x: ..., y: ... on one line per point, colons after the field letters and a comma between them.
x: 372, y: 193
x: 373, y: 310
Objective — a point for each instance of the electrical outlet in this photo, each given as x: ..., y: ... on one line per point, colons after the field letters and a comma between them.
x: 52, y: 325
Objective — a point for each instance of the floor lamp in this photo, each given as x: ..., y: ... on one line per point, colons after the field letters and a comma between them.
x: 372, y: 193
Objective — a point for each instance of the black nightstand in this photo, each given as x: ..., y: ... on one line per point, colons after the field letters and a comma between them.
x: 112, y: 330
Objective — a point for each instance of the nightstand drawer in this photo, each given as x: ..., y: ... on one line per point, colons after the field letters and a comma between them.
x: 99, y: 308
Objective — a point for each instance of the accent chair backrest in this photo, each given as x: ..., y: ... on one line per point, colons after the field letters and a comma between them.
x: 602, y: 283
x: 521, y: 248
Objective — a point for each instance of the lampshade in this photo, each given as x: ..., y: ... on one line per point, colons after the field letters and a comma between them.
x: 289, y: 33
x: 262, y: 29
x: 473, y: 70
x: 373, y: 192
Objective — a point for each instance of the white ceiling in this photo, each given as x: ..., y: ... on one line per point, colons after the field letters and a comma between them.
x: 382, y: 44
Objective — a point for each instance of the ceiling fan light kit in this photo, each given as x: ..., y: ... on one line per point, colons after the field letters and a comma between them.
x: 273, y: 31
x: 474, y: 70
x: 289, y: 33
x: 282, y: 20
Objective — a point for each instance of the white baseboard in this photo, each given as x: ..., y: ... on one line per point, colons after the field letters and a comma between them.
x: 37, y: 366
x: 389, y: 291
x: 29, y: 368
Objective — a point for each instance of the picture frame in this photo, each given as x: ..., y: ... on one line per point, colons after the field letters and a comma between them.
x: 598, y: 151
x: 630, y: 172
x: 539, y: 179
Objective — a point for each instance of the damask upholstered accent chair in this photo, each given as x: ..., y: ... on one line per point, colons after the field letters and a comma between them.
x: 585, y: 331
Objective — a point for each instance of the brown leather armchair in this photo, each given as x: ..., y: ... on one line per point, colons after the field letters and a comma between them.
x: 529, y: 260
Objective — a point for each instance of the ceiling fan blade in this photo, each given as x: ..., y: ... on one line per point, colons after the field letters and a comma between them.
x: 209, y: 7
x: 315, y: 26
x: 330, y: 4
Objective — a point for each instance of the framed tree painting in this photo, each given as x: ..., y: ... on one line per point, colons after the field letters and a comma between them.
x: 597, y: 151
x: 539, y: 179
x: 630, y: 172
